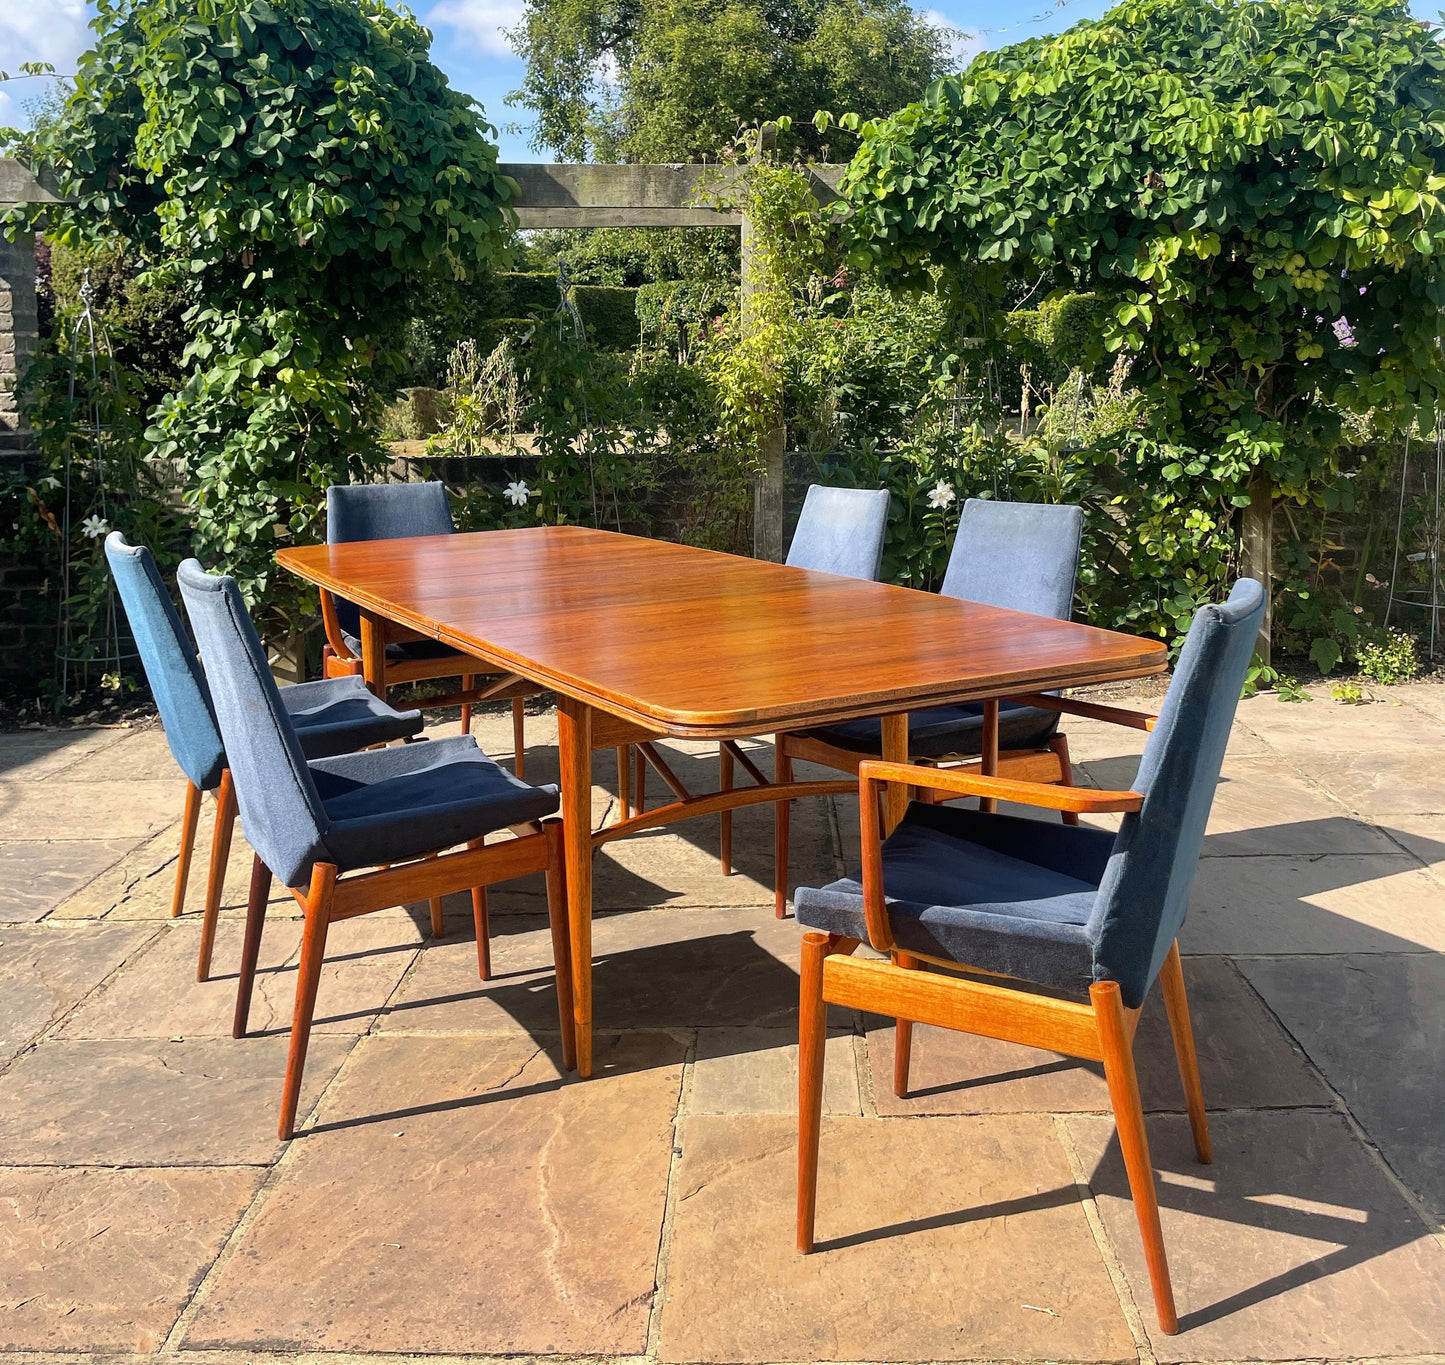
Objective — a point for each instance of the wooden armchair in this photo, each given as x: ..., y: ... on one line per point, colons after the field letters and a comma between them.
x: 1035, y: 904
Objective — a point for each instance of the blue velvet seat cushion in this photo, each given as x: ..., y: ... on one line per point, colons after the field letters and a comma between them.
x: 398, y: 651
x: 340, y: 715
x: 386, y: 805
x: 997, y: 892
x: 945, y: 730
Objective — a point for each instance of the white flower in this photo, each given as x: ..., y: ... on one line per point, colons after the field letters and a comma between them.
x: 942, y: 495
x: 517, y: 493
x: 95, y: 527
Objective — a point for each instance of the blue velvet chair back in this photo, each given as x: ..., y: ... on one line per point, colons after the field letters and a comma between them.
x: 170, y: 663
x: 281, y: 810
x: 382, y: 511
x: 1144, y: 895
x: 841, y: 531
x: 1019, y: 555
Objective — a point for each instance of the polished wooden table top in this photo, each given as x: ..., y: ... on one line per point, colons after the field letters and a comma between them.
x: 694, y: 642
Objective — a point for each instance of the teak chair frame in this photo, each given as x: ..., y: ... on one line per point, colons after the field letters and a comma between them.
x: 216, y: 873
x: 1101, y: 1030
x: 481, y: 682
x: 329, y: 898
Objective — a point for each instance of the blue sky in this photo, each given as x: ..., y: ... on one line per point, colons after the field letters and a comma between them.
x: 471, y: 48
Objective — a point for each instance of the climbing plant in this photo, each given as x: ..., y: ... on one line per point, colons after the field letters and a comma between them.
x: 296, y: 163
x: 1251, y: 189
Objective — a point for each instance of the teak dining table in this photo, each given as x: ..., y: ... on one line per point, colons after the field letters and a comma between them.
x: 643, y: 639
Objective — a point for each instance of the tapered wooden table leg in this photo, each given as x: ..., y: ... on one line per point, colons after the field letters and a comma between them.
x: 988, y: 757
x: 373, y: 652
x: 574, y: 749
x: 895, y: 750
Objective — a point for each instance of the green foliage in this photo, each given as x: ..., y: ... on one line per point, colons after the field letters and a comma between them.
x: 1251, y: 190
x: 689, y: 74
x: 635, y: 256
x: 1389, y: 656
x: 296, y: 162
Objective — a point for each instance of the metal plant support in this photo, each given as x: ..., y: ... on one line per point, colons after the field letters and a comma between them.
x: 1427, y: 596
x: 83, y: 645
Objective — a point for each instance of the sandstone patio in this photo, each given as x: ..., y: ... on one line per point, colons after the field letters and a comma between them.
x: 451, y: 1194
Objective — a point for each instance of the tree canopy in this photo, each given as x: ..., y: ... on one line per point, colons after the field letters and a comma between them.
x: 298, y: 163
x: 674, y: 80
x: 1251, y: 189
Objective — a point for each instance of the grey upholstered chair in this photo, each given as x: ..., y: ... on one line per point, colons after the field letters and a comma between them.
x: 399, y: 511
x: 841, y: 531
x: 1022, y: 556
x: 312, y: 823
x: 1085, y: 912
x: 337, y: 716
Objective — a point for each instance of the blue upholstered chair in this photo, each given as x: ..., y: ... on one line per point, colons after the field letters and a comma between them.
x: 392, y: 810
x: 841, y: 531
x: 397, y: 511
x: 1086, y: 912
x: 333, y: 717
x: 1022, y: 556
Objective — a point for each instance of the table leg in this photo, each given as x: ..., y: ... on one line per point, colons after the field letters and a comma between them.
x: 988, y: 757
x: 373, y: 652
x: 895, y: 750
x: 574, y: 747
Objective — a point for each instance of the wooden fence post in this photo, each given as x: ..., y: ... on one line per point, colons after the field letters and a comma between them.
x: 768, y: 486
x: 1257, y: 551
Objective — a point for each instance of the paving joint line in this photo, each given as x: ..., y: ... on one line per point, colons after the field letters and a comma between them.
x: 681, y: 1109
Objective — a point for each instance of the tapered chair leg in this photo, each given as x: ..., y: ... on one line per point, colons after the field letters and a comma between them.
x: 812, y: 1041
x: 189, y: 819
x: 308, y: 978
x: 561, y: 940
x: 641, y: 782
x: 519, y: 740
x: 1060, y: 746
x: 216, y: 876
x: 1133, y: 1143
x: 725, y: 818
x: 1176, y: 1004
x: 782, y: 813
x: 902, y: 1036
x: 251, y: 944
x: 484, y: 932
x: 438, y: 918
x: 624, y: 781
x: 467, y: 681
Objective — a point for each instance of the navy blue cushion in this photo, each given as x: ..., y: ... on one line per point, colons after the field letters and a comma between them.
x: 996, y: 892
x: 169, y: 659
x: 946, y: 730
x: 840, y: 530
x: 387, y: 805
x: 340, y: 715
x: 382, y: 511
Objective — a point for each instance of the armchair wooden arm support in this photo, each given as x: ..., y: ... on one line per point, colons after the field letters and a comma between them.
x: 871, y: 775
x: 962, y: 782
x: 1114, y: 715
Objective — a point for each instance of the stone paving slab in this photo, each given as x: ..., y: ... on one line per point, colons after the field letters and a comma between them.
x: 155, y: 1102
x: 159, y: 996
x: 34, y: 755
x: 938, y: 1239
x: 122, y: 810
x: 1376, y: 903
x: 37, y: 875
x: 493, y: 1208
x: 1396, y: 723
x: 1246, y: 1061
x: 1385, y: 784
x: 105, y: 1260
x: 1293, y: 1244
x: 45, y: 971
x: 1375, y: 1025
x: 755, y: 1071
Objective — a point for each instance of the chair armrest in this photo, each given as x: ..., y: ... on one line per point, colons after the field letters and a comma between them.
x: 332, y: 626
x: 873, y: 774
x: 1114, y: 715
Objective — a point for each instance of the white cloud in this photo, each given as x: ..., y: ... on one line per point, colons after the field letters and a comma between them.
x: 964, y: 44
x: 51, y: 31
x: 483, y: 22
